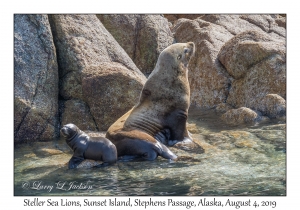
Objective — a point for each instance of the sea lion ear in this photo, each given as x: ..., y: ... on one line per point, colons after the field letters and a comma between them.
x: 191, y: 46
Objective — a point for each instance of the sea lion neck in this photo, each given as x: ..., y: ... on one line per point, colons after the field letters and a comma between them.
x: 78, y: 132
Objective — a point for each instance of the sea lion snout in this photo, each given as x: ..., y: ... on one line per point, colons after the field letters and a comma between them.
x: 69, y: 130
x: 64, y: 131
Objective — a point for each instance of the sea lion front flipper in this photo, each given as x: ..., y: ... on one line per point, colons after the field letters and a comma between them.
x: 164, y: 137
x: 160, y: 136
x: 75, y: 161
x: 172, y: 142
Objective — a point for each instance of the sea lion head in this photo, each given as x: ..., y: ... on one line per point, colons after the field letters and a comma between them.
x: 69, y: 131
x: 174, y: 60
x: 179, y: 53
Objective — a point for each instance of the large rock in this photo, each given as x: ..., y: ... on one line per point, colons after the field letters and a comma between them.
x: 248, y: 49
x: 35, y: 80
x: 143, y: 37
x: 270, y: 24
x: 257, y: 62
x: 272, y: 105
x: 110, y: 90
x: 281, y: 21
x: 77, y: 109
x: 83, y: 44
x: 174, y: 17
x: 236, y: 24
x: 212, y: 80
x: 209, y: 81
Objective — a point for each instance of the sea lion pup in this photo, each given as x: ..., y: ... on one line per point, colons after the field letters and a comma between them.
x: 85, y: 147
x: 163, y: 104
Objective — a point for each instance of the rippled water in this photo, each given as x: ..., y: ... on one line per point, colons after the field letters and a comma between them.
x: 223, y: 160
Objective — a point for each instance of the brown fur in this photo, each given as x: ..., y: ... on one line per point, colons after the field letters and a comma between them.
x: 163, y: 103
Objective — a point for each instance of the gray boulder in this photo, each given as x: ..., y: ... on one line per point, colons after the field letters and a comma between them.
x: 143, y: 37
x: 85, y: 51
x: 35, y: 80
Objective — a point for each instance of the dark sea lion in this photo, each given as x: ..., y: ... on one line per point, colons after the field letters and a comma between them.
x: 163, y: 107
x: 86, y: 147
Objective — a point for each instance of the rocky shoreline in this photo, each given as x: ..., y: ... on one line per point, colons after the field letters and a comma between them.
x: 90, y: 69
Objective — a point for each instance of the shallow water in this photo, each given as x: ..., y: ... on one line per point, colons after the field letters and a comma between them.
x: 222, y: 160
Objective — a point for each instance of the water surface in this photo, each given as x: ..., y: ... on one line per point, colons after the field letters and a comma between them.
x: 222, y: 160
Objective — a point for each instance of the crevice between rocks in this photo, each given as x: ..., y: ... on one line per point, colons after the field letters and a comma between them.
x: 260, y: 61
x: 60, y: 76
x: 29, y: 108
x: 96, y: 125
x: 20, y: 124
x: 136, y: 33
x: 270, y: 30
x: 224, y: 71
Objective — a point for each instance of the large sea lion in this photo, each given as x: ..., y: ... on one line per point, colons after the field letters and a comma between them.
x: 162, y: 110
x: 86, y: 147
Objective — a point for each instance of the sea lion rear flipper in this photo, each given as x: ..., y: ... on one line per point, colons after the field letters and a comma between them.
x: 75, y: 161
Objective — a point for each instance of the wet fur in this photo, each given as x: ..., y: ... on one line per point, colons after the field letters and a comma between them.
x: 85, y: 147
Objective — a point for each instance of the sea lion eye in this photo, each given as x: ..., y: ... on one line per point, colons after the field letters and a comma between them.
x: 179, y: 56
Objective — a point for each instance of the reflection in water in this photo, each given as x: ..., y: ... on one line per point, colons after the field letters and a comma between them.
x: 222, y: 160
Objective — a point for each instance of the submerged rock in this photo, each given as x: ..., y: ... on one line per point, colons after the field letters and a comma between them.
x: 223, y: 107
x: 35, y: 80
x: 89, y: 163
x: 240, y: 116
x: 49, y: 151
x: 143, y: 37
x: 85, y: 46
x: 219, y: 140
